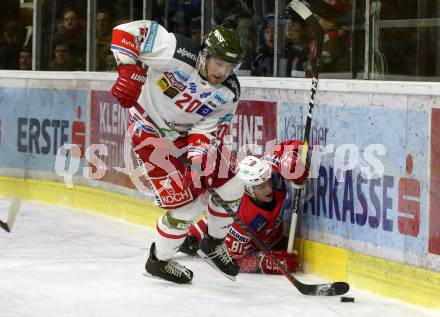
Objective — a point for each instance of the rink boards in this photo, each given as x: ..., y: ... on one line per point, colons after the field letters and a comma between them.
x: 380, y: 233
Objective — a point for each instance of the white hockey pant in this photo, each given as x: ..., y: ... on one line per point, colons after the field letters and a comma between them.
x: 173, y: 226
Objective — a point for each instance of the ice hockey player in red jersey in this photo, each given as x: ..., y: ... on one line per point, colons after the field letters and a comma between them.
x: 267, y: 202
x: 190, y: 93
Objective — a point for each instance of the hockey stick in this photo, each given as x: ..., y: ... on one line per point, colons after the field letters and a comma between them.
x: 305, y: 14
x: 12, y: 214
x: 303, y: 11
x: 329, y: 289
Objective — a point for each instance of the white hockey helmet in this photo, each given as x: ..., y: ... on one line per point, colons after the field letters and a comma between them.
x: 253, y: 171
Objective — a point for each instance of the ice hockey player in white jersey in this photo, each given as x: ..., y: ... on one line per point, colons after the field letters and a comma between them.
x: 191, y: 93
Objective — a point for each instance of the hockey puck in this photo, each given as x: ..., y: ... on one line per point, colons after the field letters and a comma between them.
x: 346, y: 299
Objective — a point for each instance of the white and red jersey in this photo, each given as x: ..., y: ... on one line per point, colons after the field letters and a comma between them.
x: 266, y: 224
x: 175, y: 96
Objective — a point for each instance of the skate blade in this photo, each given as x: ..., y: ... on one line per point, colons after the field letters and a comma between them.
x: 155, y: 277
x: 146, y: 274
x: 205, y: 258
x: 13, y: 211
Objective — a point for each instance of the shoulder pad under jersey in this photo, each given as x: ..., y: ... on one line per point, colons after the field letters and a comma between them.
x: 186, y: 50
x: 233, y: 85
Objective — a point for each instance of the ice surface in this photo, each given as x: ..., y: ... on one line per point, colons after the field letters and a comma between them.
x: 65, y: 262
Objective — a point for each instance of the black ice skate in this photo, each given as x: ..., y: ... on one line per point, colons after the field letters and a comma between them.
x: 214, y: 252
x: 190, y: 246
x: 167, y: 270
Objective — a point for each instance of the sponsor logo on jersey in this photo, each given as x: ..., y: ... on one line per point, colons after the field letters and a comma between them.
x: 166, y: 88
x: 126, y: 43
x: 171, y: 92
x: 234, y: 87
x: 166, y: 184
x: 179, y: 127
x: 149, y: 43
x: 220, y: 98
x: 140, y: 38
x: 204, y: 110
x: 205, y: 94
x: 233, y: 55
x: 163, y: 83
x: 181, y: 75
x: 237, y: 235
x: 193, y: 87
x: 174, y: 82
x: 225, y: 119
x: 258, y: 223
x: 212, y: 104
x: 169, y: 192
x: 184, y: 53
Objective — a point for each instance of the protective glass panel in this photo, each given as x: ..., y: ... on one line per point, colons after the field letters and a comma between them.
x: 404, y: 40
x: 108, y: 15
x: 242, y: 16
x: 342, y: 55
x: 16, y: 34
x: 177, y: 16
x: 64, y: 35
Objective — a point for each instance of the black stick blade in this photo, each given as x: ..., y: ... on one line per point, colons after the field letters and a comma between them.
x: 4, y: 226
x: 330, y: 289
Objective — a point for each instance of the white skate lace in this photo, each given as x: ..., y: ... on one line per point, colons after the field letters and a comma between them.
x: 176, y: 269
x: 222, y: 253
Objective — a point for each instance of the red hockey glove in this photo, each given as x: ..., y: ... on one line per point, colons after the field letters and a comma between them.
x: 290, y: 261
x: 198, y: 177
x: 128, y: 86
x: 286, y: 146
x: 289, y: 164
x: 193, y: 179
x: 202, y: 161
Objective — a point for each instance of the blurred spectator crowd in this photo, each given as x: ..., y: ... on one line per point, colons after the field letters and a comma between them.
x: 255, y: 23
x: 64, y: 33
x: 15, y: 36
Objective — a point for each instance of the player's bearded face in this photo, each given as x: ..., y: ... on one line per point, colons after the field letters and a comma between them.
x: 217, y: 70
x: 264, y: 191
